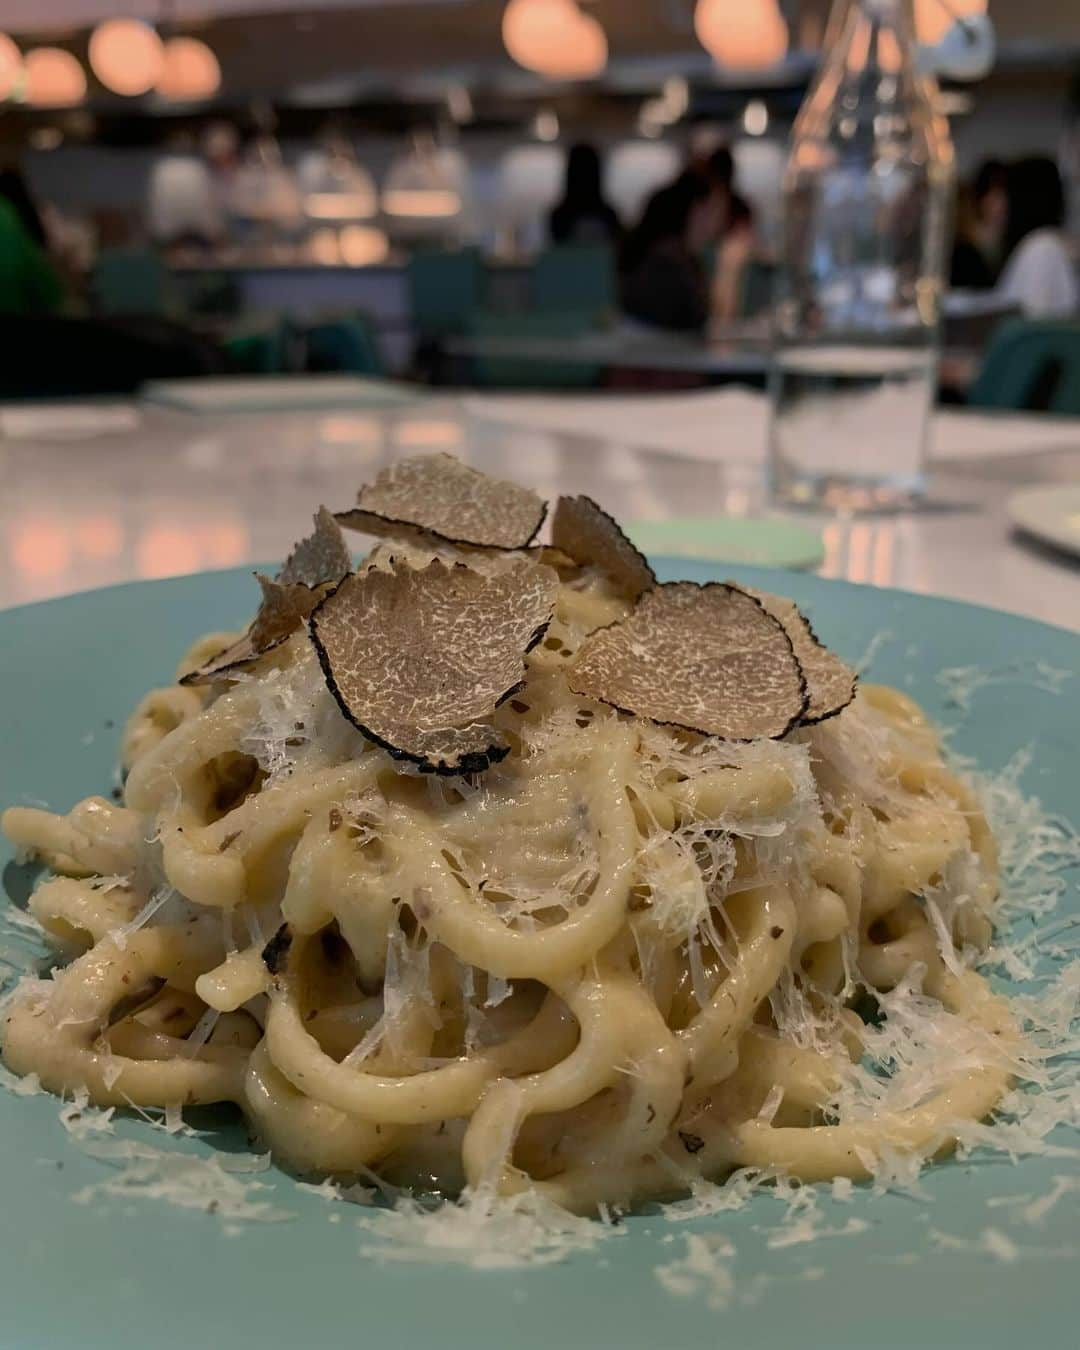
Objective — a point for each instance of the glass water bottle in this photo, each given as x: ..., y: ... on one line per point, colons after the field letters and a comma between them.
x: 867, y: 193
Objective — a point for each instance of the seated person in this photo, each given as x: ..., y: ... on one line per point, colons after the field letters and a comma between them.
x: 981, y: 216
x: 1040, y: 275
x: 584, y: 216
x: 663, y: 281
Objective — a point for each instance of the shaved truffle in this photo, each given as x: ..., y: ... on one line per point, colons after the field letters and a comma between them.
x: 318, y: 560
x: 830, y: 683
x: 708, y: 658
x: 586, y: 533
x: 419, y: 659
x: 323, y: 557
x: 283, y: 610
x: 276, y: 950
x: 440, y: 496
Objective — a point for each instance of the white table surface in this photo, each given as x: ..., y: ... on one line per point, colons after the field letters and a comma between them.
x: 157, y: 493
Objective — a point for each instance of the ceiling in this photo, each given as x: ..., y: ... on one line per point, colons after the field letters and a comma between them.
x: 26, y: 14
x: 1015, y: 19
x: 336, y: 52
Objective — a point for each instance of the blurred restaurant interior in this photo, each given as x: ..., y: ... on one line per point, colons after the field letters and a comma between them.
x: 562, y: 217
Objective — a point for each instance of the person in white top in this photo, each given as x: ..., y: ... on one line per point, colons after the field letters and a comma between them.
x: 1040, y: 275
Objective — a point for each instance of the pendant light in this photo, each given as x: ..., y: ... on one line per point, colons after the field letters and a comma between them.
x: 742, y: 34
x: 10, y: 65
x: 52, y: 78
x: 554, y: 38
x: 127, y: 56
x: 190, y: 72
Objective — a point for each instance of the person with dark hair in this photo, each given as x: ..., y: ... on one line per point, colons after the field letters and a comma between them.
x: 733, y: 234
x: 969, y: 268
x: 736, y: 213
x: 583, y: 215
x: 990, y: 191
x: 1039, y: 276
x: 981, y: 214
x: 663, y: 282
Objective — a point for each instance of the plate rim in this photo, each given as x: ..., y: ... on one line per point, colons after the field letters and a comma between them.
x: 669, y: 562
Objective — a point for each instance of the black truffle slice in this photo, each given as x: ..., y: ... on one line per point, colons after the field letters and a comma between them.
x: 283, y: 610
x: 322, y: 558
x: 586, y: 533
x: 276, y: 951
x: 708, y: 658
x: 440, y: 496
x: 830, y: 683
x: 419, y: 659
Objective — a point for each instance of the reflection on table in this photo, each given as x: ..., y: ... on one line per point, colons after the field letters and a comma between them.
x: 167, y: 493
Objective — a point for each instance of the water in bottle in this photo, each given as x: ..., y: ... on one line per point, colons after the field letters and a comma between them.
x: 856, y: 322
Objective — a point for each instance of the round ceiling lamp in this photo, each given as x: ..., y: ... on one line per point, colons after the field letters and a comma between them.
x: 335, y: 185
x: 52, y: 78
x: 934, y: 18
x: 263, y: 189
x: 742, y: 34
x: 554, y: 38
x: 190, y: 72
x: 427, y: 183
x: 10, y: 65
x: 126, y: 55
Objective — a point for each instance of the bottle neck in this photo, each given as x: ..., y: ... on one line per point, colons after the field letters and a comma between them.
x: 877, y: 33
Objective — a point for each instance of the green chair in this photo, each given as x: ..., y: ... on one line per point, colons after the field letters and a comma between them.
x: 130, y: 282
x: 1031, y: 365
x: 445, y: 288
x: 265, y: 348
x: 348, y: 345
x: 525, y: 372
x: 575, y: 277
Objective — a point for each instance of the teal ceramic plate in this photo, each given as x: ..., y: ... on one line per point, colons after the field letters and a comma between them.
x: 128, y: 1271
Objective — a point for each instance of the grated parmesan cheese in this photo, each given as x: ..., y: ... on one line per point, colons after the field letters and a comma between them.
x: 481, y: 1231
x: 962, y: 683
x: 808, y: 1228
x: 201, y: 1032
x: 27, y: 1086
x: 882, y: 638
x: 705, y: 1270
x: 843, y: 1188
x: 991, y: 1241
x: 159, y: 898
x: 215, y: 1184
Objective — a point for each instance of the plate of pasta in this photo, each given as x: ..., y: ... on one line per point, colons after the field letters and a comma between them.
x: 510, y: 939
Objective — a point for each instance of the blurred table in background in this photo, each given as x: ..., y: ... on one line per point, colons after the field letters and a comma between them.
x: 737, y: 352
x: 732, y: 354
x: 152, y: 492
x: 304, y: 291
